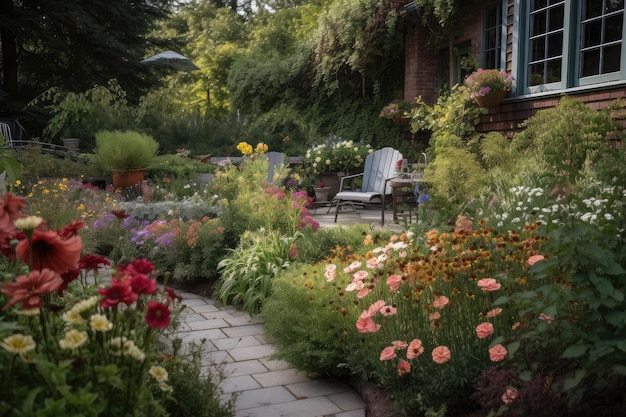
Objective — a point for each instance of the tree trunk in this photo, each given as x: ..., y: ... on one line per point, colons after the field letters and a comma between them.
x: 9, y: 50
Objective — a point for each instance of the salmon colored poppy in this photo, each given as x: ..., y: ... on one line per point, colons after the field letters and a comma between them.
x: 28, y: 289
x: 50, y: 251
x: 441, y: 354
x: 403, y: 367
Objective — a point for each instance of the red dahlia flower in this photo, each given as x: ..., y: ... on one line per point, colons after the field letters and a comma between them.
x: 158, y: 315
x: 118, y: 292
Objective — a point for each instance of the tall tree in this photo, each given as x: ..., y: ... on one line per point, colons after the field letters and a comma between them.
x: 74, y: 44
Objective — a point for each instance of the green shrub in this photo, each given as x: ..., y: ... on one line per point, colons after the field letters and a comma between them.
x: 306, y: 327
x: 36, y: 165
x: 567, y: 136
x: 455, y: 175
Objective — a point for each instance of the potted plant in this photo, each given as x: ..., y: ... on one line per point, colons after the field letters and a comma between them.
x: 126, y: 153
x: 398, y: 111
x: 322, y: 192
x: 488, y: 87
x: 334, y: 158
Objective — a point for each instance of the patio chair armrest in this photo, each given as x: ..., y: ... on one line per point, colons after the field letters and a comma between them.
x: 348, y: 177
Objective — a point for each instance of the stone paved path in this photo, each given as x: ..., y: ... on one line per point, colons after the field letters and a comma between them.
x: 264, y: 387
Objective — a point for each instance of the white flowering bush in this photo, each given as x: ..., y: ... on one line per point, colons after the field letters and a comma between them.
x: 336, y: 155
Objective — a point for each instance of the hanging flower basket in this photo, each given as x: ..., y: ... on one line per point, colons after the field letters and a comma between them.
x: 490, y: 100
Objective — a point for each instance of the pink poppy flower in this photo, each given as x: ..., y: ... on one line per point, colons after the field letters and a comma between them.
x: 355, y: 285
x: 388, y: 353
x: 331, y: 269
x: 546, y: 318
x: 515, y: 325
x: 29, y: 288
x: 363, y: 292
x: 388, y: 311
x: 441, y: 354
x: 509, y: 395
x: 360, y: 275
x: 394, y: 282
x: 400, y: 344
x: 534, y: 259
x: 365, y: 324
x: 494, y: 312
x: 415, y: 349
x: 488, y: 284
x: 158, y: 315
x: 403, y: 367
x: 434, y: 316
x: 373, y: 263
x: 497, y: 353
x: 484, y: 330
x: 440, y: 301
x: 352, y: 267
x: 375, y: 308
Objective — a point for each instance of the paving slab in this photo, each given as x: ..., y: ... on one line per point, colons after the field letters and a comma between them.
x: 239, y: 357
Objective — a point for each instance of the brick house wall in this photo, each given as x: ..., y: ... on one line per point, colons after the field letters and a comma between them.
x: 427, y: 70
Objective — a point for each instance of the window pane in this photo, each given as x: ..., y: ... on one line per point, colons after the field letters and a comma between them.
x: 553, y: 71
x: 490, y: 59
x: 538, y: 49
x: 538, y: 24
x: 611, y: 61
x: 555, y: 45
x: 613, y: 28
x: 556, y: 17
x: 491, y: 17
x: 538, y: 4
x: 536, y: 74
x: 592, y: 8
x: 592, y: 33
x: 491, y: 38
x: 614, y: 5
x: 590, y: 63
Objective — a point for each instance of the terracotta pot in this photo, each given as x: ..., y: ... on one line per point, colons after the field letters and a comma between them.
x: 490, y: 100
x: 130, y: 178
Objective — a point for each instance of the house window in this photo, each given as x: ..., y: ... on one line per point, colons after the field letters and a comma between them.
x: 601, y: 37
x: 492, y: 37
x: 572, y: 43
x: 545, y: 41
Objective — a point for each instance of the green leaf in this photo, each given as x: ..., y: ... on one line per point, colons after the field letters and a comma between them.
x: 528, y: 294
x: 526, y: 376
x: 501, y: 300
x: 512, y: 348
x: 575, y: 351
x: 573, y: 381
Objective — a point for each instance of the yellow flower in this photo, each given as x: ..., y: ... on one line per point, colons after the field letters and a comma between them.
x: 86, y: 304
x: 73, y: 340
x: 18, y: 183
x: 100, y: 323
x: 159, y: 373
x: 72, y: 317
x: 18, y: 343
x: 245, y: 148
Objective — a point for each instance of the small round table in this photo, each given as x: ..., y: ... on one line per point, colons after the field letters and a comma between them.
x: 402, y: 194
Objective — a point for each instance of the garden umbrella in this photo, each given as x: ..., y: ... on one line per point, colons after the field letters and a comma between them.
x: 173, y: 60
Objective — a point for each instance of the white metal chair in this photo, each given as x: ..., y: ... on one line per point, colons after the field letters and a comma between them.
x: 379, y: 169
x: 5, y: 131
